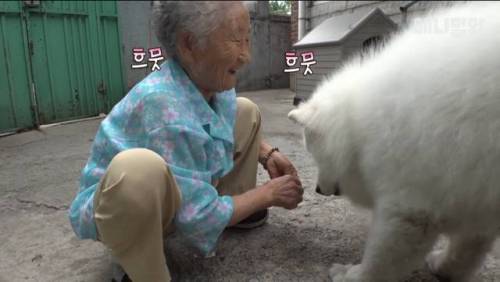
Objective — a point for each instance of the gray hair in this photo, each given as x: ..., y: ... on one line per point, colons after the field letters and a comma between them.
x: 197, y: 17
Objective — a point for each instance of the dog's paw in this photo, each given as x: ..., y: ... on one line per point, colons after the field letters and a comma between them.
x: 345, y: 273
x: 337, y: 272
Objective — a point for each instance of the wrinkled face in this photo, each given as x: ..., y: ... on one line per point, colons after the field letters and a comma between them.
x: 227, y: 49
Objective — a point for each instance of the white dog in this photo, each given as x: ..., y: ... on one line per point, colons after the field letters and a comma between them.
x: 413, y: 132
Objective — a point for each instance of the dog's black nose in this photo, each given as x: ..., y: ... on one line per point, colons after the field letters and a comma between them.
x: 318, y: 190
x: 336, y: 190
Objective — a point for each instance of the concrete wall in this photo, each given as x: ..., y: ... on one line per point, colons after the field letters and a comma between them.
x: 294, y: 30
x: 136, y: 32
x: 318, y: 11
x: 270, y: 40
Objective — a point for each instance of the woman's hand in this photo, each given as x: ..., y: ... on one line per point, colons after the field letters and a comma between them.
x: 279, y: 165
x: 284, y: 191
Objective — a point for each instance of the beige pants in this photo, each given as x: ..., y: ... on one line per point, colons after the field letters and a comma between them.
x: 138, y: 198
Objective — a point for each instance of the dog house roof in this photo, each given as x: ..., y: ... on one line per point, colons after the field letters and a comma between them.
x: 337, y: 28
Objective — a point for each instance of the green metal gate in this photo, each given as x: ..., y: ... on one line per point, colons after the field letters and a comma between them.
x: 15, y: 76
x: 61, y: 61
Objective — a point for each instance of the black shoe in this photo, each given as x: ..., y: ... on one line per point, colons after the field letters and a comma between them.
x: 118, y: 274
x: 255, y: 220
x: 125, y: 278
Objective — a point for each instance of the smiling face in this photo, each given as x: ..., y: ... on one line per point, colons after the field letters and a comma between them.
x: 213, y: 66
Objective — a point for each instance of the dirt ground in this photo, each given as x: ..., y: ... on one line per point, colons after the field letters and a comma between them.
x: 39, y: 174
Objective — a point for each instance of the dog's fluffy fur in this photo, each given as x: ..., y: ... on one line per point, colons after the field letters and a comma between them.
x: 413, y: 132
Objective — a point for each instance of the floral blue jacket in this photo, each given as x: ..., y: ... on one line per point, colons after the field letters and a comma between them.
x: 166, y: 113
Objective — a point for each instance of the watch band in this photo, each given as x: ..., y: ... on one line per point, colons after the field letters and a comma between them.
x: 263, y: 160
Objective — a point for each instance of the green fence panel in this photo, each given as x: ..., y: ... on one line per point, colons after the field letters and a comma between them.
x: 113, y: 61
x: 74, y: 63
x: 15, y: 82
x: 62, y: 82
x: 110, y: 72
x: 72, y: 55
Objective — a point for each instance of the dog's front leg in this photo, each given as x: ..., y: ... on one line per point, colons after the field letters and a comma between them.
x: 397, y: 245
x: 464, y: 255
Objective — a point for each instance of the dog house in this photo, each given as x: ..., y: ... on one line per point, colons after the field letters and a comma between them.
x: 328, y: 45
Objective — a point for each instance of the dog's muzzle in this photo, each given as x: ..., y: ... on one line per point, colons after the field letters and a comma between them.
x: 336, y: 190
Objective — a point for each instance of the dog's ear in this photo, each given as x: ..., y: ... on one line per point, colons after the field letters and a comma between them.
x: 302, y: 114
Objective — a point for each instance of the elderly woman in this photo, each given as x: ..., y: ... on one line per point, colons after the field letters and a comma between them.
x: 180, y: 150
